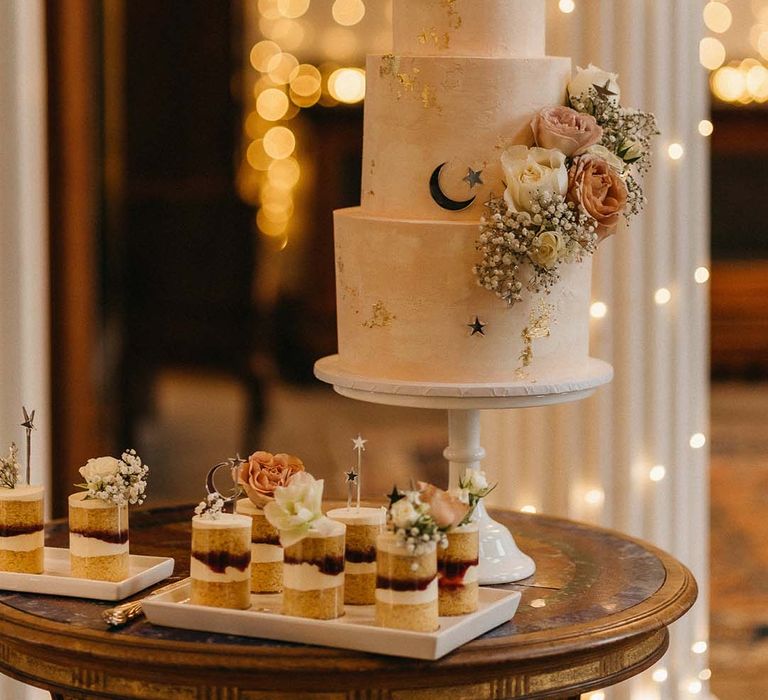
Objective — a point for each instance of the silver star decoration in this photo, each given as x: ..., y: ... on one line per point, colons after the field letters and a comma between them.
x: 237, y: 460
x: 473, y: 178
x: 351, y: 476
x: 604, y: 91
x: 359, y: 443
x: 477, y: 327
x: 28, y: 419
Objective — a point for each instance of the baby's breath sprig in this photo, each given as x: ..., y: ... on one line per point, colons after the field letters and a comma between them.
x: 212, y: 507
x: 9, y: 468
x: 412, y: 524
x: 523, y: 251
x: 124, y: 484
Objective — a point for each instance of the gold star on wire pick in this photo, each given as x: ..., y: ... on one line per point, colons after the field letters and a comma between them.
x: 477, y: 327
x: 351, y: 476
x: 473, y: 178
x: 359, y: 443
x: 604, y: 90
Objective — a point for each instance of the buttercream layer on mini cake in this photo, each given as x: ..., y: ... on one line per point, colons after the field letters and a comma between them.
x: 313, y: 576
x: 364, y: 525
x: 22, y: 536
x: 220, y: 561
x: 418, y: 329
x: 406, y: 586
x: 266, y: 552
x: 98, y: 539
x: 457, y: 567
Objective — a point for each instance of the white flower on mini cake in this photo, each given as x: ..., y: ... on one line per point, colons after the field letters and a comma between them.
x: 411, y: 519
x: 118, y: 481
x: 297, y: 509
x: 212, y: 507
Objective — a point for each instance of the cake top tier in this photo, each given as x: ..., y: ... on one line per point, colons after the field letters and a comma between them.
x: 483, y: 28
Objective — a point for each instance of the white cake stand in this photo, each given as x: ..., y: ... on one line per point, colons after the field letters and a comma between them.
x: 501, y: 561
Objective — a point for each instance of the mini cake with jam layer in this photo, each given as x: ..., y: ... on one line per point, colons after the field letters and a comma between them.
x: 364, y: 525
x: 98, y: 539
x: 220, y: 560
x: 21, y: 529
x: 457, y: 567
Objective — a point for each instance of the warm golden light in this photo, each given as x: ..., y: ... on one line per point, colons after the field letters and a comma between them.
x: 339, y: 44
x: 281, y: 66
x: 757, y: 82
x: 711, y: 53
x: 660, y: 675
x: 305, y: 80
x: 657, y: 473
x: 728, y: 84
x: 306, y: 100
x: 676, y: 151
x: 705, y: 674
x: 292, y: 8
x: 347, y: 85
x: 662, y: 296
x: 598, y: 310
x: 528, y: 509
x: 348, y: 12
x: 262, y: 53
x: 595, y: 497
x: 272, y: 104
x: 701, y: 275
x: 269, y: 9
x: 762, y: 44
x: 567, y: 6
x: 286, y: 32
x: 279, y: 142
x: 256, y: 156
x: 706, y: 127
x: 268, y: 227
x: 697, y: 441
x: 717, y: 17
x: 284, y: 173
x: 699, y: 647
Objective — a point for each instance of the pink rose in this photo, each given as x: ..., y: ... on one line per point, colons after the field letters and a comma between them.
x: 566, y: 130
x: 600, y: 190
x: 446, y: 510
x: 264, y: 472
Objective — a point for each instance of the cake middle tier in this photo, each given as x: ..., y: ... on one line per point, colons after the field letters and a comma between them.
x: 425, y: 111
x: 410, y: 309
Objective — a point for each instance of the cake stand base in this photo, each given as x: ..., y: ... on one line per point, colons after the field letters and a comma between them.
x: 501, y: 561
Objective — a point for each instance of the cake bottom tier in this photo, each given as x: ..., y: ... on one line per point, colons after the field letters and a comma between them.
x: 409, y: 308
x: 112, y: 567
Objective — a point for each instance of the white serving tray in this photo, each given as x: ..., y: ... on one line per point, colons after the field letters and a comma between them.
x: 355, y: 630
x: 57, y: 578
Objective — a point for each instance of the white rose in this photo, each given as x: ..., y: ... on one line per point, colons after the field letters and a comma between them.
x: 549, y: 247
x: 99, y: 468
x: 475, y: 480
x: 608, y: 156
x: 403, y: 514
x: 585, y: 78
x: 529, y: 172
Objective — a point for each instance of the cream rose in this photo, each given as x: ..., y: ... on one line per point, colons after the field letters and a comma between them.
x: 446, y: 509
x: 403, y: 514
x: 608, y: 156
x: 296, y: 508
x: 587, y: 77
x: 598, y: 188
x: 263, y: 473
x: 530, y: 172
x: 96, y: 469
x: 548, y: 248
x: 565, y: 129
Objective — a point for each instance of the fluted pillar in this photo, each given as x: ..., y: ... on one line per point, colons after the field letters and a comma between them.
x: 593, y: 460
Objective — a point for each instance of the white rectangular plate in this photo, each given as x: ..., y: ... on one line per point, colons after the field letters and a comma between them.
x: 57, y: 578
x: 355, y: 630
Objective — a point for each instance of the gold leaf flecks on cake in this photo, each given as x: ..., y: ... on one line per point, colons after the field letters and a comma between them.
x: 381, y: 317
x: 429, y: 98
x: 390, y: 65
x: 539, y: 326
x: 454, y: 18
x: 432, y: 36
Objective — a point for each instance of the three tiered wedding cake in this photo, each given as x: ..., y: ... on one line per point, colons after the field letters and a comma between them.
x: 469, y: 259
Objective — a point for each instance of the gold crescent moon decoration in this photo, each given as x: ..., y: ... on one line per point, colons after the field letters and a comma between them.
x: 441, y: 198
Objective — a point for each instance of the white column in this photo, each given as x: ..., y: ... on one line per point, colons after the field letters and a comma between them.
x: 24, y: 342
x: 591, y: 461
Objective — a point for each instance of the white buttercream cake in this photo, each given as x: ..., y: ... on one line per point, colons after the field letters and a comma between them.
x: 463, y: 83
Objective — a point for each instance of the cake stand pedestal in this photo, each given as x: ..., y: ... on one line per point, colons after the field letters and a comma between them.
x: 501, y: 561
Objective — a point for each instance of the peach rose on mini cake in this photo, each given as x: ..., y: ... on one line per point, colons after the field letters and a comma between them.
x: 445, y: 509
x: 597, y: 187
x: 565, y: 130
x: 264, y: 472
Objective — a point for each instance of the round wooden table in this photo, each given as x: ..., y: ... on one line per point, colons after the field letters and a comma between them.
x: 596, y: 612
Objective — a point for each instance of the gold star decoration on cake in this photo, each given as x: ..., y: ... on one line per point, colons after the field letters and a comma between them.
x: 473, y: 178
x: 604, y: 91
x: 478, y: 328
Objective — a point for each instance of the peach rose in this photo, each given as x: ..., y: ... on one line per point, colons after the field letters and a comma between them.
x: 446, y: 510
x: 594, y: 184
x: 264, y: 472
x: 566, y: 130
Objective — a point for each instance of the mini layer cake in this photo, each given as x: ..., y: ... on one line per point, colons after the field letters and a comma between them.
x: 457, y: 567
x: 21, y: 529
x: 406, y: 586
x: 98, y: 539
x: 266, y: 552
x: 220, y: 562
x: 364, y: 525
x: 313, y: 575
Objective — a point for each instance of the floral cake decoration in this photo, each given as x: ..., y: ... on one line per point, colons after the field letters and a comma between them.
x: 263, y: 473
x: 9, y: 468
x: 568, y: 192
x: 118, y: 481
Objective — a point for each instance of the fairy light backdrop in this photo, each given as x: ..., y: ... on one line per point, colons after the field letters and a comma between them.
x: 634, y: 457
